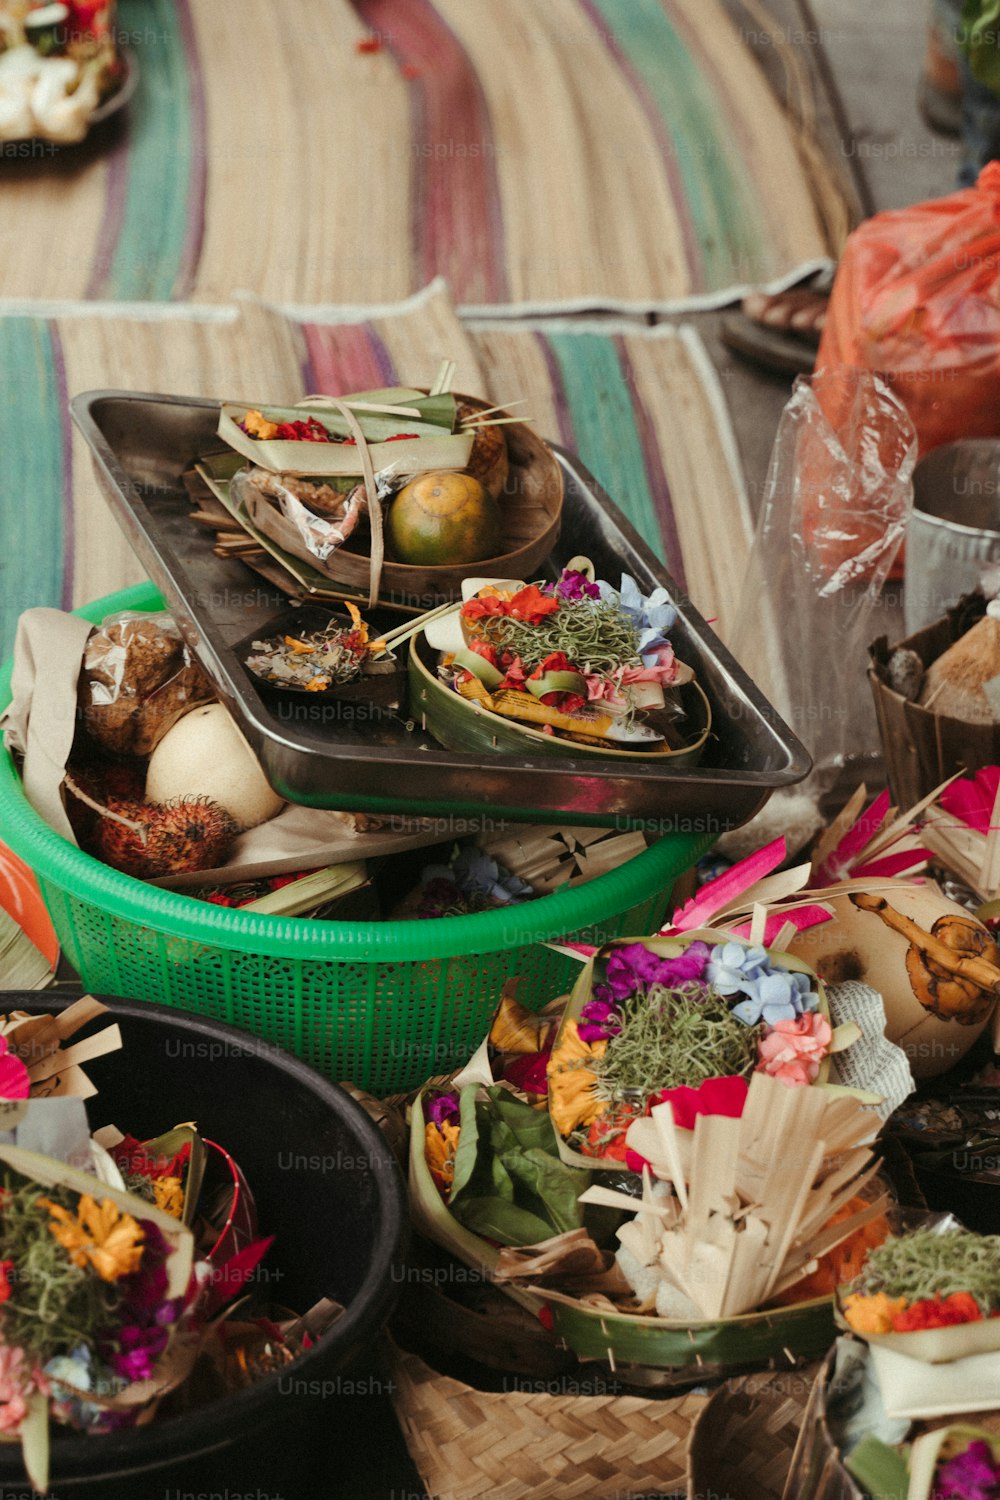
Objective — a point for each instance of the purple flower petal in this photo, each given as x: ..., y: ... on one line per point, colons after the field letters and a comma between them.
x: 971, y: 1475
x: 598, y: 1011
x: 441, y: 1109
x: 587, y: 1032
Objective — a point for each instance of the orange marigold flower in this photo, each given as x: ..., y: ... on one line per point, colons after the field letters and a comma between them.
x: 572, y: 1100
x: 99, y: 1235
x: 440, y: 1145
x: 256, y: 425
x: 874, y: 1314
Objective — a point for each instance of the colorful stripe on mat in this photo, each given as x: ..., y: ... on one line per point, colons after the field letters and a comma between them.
x: 151, y: 235
x: 620, y: 154
x: 603, y: 428
x: 34, y: 473
x: 450, y: 229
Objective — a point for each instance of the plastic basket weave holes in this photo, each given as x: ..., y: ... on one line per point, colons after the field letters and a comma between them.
x: 265, y: 998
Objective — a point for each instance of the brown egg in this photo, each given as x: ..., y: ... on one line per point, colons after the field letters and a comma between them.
x: 936, y: 975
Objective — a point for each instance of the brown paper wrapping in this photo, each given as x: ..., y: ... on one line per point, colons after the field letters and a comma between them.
x: 48, y: 647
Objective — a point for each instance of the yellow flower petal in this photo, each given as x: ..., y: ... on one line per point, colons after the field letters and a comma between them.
x: 100, y: 1235
x: 440, y: 1145
x: 168, y: 1195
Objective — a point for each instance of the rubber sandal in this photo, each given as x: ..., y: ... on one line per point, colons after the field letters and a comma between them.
x: 778, y: 331
x: 778, y: 353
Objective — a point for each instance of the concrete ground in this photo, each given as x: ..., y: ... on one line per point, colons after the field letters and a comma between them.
x: 874, y: 54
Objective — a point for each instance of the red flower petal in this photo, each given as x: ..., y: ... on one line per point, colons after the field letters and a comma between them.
x: 716, y: 1096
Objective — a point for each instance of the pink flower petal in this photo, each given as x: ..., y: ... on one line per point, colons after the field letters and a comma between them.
x: 14, y: 1080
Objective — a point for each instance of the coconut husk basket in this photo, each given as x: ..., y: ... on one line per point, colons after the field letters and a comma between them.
x: 744, y: 1441
x: 921, y: 746
x: 530, y: 504
x: 541, y: 1439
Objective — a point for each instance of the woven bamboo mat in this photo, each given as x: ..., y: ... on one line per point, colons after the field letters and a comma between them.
x: 541, y: 154
x: 642, y: 406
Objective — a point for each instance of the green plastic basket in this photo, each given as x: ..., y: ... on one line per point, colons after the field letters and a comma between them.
x: 385, y: 1005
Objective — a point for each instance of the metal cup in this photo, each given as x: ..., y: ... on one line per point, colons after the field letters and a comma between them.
x: 954, y: 528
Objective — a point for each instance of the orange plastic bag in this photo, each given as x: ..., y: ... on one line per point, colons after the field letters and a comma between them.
x: 917, y: 300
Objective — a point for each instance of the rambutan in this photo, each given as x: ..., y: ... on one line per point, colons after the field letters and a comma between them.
x: 189, y: 833
x: 148, y: 839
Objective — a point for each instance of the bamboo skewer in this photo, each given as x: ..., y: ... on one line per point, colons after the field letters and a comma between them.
x: 413, y: 627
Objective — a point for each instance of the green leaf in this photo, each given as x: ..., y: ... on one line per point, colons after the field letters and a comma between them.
x: 531, y: 1126
x: 552, y: 1188
x: 880, y: 1470
x: 978, y: 36
x: 557, y: 682
x: 504, y: 1222
x: 467, y: 1151
x: 441, y: 410
x: 489, y: 675
x: 509, y: 1183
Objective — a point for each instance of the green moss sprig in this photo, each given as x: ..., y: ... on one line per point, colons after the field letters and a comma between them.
x: 675, y: 1036
x: 54, y: 1304
x: 929, y: 1263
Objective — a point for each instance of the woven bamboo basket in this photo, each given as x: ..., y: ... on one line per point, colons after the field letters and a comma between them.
x: 544, y: 1443
x: 744, y: 1440
x: 923, y: 747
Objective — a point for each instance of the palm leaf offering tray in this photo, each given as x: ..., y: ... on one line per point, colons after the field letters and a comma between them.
x: 709, y: 770
x: 395, y: 491
x: 716, y: 1271
x: 572, y: 661
x: 685, y: 1020
x: 327, y: 656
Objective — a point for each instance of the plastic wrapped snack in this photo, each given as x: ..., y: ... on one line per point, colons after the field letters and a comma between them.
x: 138, y: 678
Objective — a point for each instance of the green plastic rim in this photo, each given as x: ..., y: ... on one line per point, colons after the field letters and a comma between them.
x: 548, y: 918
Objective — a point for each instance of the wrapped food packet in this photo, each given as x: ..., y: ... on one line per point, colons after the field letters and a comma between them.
x: 138, y: 678
x: 838, y: 493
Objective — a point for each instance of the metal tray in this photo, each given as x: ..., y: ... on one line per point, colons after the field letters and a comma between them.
x: 142, y: 443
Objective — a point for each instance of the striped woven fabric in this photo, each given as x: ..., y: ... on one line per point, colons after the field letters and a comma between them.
x: 642, y: 408
x: 541, y: 154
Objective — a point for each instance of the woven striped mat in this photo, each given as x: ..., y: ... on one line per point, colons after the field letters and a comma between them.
x: 541, y: 154
x: 641, y: 406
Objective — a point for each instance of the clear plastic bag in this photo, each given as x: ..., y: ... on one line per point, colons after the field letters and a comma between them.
x: 137, y: 679
x: 837, y: 497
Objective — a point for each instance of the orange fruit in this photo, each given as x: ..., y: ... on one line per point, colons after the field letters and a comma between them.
x: 444, y: 516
